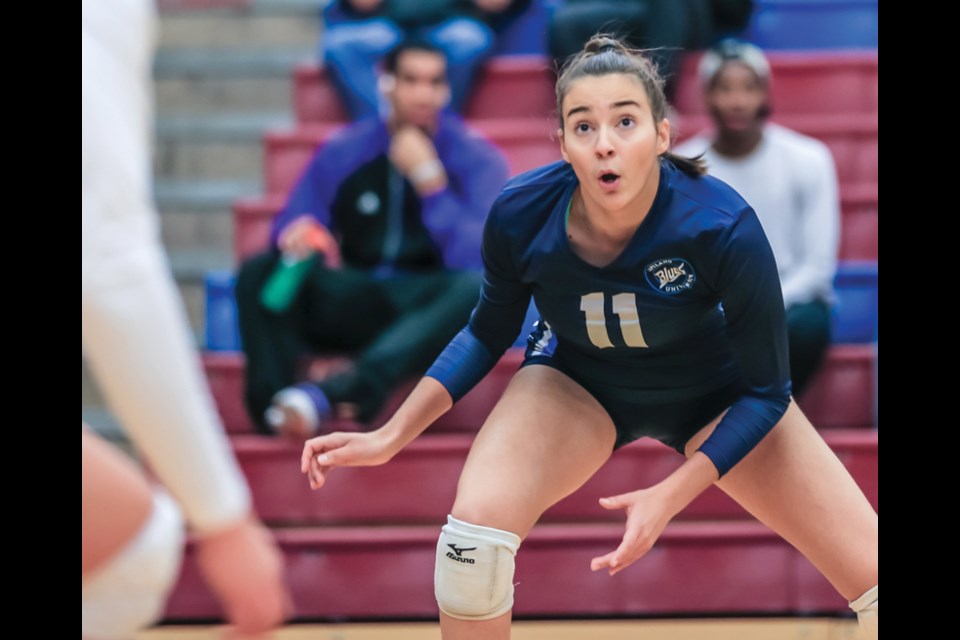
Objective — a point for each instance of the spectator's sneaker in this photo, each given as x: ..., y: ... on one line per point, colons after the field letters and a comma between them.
x: 298, y: 411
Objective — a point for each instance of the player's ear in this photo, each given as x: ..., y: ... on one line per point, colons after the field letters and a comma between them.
x: 663, y: 136
x: 563, y: 146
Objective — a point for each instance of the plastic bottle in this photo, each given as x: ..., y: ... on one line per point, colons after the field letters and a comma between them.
x: 283, y: 284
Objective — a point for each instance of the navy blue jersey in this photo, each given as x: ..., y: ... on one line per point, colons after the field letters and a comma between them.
x: 691, y: 304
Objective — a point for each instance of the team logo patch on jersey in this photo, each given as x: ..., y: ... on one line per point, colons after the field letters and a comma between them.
x: 670, y: 275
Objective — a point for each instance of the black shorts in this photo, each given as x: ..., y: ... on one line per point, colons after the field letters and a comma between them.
x: 635, y: 415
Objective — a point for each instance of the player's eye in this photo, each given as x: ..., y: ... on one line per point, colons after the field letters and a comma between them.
x: 627, y: 122
x: 582, y: 127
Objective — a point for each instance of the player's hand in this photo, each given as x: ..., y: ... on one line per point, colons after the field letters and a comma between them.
x: 243, y: 567
x: 324, y: 453
x: 305, y: 235
x: 647, y: 516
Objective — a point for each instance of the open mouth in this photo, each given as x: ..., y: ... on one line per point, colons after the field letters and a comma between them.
x: 609, y: 179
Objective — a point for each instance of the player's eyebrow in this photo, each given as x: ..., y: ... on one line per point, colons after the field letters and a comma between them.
x: 615, y: 105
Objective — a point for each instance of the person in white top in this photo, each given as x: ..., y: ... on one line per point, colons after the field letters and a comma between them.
x: 136, y: 340
x: 790, y: 180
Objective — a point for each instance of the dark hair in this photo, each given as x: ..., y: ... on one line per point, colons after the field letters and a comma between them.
x: 409, y: 44
x: 604, y: 54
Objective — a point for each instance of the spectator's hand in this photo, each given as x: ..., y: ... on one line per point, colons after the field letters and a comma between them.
x: 365, y: 6
x: 413, y: 154
x: 323, y: 453
x: 492, y: 6
x: 647, y: 516
x: 244, y: 569
x: 305, y: 235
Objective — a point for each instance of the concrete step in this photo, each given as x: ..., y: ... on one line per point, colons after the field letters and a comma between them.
x: 202, y: 195
x: 192, y: 230
x: 198, y: 159
x: 212, y: 146
x: 216, y: 94
x: 238, y: 63
x: 239, y: 29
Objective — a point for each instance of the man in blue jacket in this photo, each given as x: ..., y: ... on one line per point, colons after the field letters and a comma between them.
x: 389, y: 214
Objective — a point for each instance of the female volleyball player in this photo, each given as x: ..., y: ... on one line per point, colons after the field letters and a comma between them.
x: 662, y: 316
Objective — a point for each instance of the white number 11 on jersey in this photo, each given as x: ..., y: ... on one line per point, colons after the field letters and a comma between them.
x: 625, y: 306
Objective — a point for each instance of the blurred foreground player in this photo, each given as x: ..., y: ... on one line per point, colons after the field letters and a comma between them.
x: 135, y: 337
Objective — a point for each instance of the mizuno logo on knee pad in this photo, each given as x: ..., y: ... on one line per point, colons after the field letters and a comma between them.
x: 459, y: 551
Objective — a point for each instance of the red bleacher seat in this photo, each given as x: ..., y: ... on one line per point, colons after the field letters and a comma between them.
x: 841, y: 395
x: 387, y: 572
x: 803, y: 83
x: 825, y: 83
x: 429, y: 468
x: 860, y: 222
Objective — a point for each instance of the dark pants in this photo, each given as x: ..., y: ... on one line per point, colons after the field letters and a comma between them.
x: 808, y: 332
x: 667, y: 26
x: 393, y: 329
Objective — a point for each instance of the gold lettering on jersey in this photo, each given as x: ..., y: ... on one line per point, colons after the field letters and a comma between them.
x: 669, y: 274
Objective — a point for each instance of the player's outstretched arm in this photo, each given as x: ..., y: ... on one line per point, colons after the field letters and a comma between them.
x: 428, y: 401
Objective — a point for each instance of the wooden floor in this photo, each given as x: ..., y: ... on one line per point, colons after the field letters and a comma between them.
x: 743, y: 629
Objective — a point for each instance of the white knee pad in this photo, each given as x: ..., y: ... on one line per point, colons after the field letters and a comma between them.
x: 474, y: 573
x: 129, y: 592
x: 867, y: 608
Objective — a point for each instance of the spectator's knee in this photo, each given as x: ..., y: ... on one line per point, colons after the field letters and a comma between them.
x: 370, y: 37
x: 463, y: 39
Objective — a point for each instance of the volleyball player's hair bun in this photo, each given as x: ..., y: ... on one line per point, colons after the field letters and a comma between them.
x: 601, y: 43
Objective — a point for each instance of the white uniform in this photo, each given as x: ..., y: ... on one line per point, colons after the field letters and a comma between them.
x: 135, y: 331
x: 790, y: 180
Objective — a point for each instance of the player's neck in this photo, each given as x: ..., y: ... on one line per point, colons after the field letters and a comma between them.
x: 618, y: 225
x: 738, y: 144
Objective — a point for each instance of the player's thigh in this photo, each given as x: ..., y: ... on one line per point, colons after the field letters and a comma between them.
x: 798, y: 487
x: 542, y: 441
x: 115, y: 501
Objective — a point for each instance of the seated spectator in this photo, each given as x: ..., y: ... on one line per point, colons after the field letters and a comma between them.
x: 666, y: 26
x: 791, y: 182
x: 359, y: 32
x: 389, y: 214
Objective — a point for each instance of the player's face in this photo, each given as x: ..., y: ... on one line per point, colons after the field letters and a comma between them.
x: 610, y: 138
x: 420, y: 90
x: 737, y: 98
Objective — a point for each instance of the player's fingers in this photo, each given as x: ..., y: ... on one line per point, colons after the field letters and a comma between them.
x: 311, y: 448
x: 317, y: 446
x: 615, y: 502
x: 601, y: 562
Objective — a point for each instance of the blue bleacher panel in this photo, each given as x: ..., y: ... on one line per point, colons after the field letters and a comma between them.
x: 814, y: 24
x: 221, y: 330
x: 855, y: 316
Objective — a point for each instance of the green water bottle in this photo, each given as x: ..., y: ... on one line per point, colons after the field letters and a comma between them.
x: 285, y: 281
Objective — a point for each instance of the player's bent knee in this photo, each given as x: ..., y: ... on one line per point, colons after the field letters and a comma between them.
x: 129, y: 592
x: 867, y: 608
x: 474, y: 573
